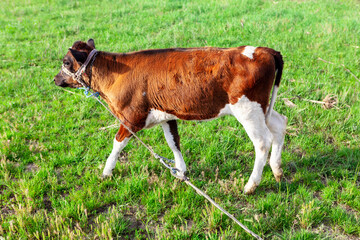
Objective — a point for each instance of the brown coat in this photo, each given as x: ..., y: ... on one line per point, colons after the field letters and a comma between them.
x: 192, y: 84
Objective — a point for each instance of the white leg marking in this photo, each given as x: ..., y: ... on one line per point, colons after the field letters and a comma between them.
x: 111, y: 161
x: 277, y: 125
x: 179, y: 161
x: 249, y: 51
x: 251, y: 116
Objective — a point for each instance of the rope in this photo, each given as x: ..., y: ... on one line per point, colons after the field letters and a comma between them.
x: 221, y: 209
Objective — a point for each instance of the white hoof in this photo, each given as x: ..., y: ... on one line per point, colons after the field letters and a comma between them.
x: 278, y: 174
x: 106, y: 174
x: 180, y: 175
x: 181, y: 168
x: 250, y: 187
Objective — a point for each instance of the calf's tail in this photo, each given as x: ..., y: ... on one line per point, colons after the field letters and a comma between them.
x: 279, y: 64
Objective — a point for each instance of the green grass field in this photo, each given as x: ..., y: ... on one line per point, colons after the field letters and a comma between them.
x: 53, y: 146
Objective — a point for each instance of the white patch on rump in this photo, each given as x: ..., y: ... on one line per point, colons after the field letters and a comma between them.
x: 156, y: 116
x: 249, y: 51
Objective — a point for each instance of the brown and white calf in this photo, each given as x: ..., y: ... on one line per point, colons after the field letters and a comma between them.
x: 152, y: 87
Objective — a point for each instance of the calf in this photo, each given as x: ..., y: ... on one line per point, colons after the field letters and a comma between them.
x: 151, y: 87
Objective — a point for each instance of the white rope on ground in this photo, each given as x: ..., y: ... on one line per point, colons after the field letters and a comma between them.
x: 221, y: 209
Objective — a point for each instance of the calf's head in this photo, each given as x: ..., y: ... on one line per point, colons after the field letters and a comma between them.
x: 72, y: 61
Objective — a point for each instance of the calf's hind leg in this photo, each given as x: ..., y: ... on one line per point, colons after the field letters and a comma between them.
x: 277, y: 125
x: 251, y: 116
x: 121, y: 139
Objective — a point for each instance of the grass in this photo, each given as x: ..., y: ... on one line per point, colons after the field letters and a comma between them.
x: 52, y: 151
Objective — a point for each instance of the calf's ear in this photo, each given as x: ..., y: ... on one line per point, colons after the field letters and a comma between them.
x: 91, y: 43
x: 80, y: 57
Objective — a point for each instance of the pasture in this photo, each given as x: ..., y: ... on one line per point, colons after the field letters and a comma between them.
x: 54, y: 142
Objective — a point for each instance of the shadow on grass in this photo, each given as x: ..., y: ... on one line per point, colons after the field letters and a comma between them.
x: 314, y: 171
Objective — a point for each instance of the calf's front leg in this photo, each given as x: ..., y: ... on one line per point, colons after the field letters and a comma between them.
x: 120, y: 141
x: 173, y: 140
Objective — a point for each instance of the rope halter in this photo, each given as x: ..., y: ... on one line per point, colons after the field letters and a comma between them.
x: 78, y: 74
